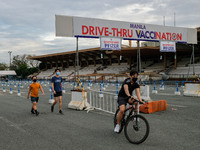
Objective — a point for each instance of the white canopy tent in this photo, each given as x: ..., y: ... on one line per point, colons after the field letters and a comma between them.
x: 7, y: 73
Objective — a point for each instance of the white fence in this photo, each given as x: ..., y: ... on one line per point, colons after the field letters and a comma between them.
x: 103, y: 101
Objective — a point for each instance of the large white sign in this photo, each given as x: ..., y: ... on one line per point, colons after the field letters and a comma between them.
x: 95, y: 28
x: 109, y: 43
x: 166, y: 46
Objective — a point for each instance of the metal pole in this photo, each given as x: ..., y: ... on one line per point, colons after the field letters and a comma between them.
x: 140, y: 65
x: 164, y: 20
x: 10, y: 56
x: 76, y: 73
x: 174, y: 19
x: 138, y: 58
x: 193, y: 58
x: 77, y: 57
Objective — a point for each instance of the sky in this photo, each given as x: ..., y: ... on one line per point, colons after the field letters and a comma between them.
x: 28, y: 26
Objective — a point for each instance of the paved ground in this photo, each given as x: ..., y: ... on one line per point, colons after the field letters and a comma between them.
x: 176, y: 128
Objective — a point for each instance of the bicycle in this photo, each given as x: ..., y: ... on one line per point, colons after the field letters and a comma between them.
x: 136, y: 127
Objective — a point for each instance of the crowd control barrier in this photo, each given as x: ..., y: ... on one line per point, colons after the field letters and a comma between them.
x: 103, y: 101
x: 79, y: 100
x: 192, y: 89
x: 144, y: 92
x: 154, y: 106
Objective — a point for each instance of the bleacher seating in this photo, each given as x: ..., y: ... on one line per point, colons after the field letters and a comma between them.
x: 184, y: 70
x: 46, y: 74
x: 183, y: 62
x: 99, y: 72
x: 114, y: 69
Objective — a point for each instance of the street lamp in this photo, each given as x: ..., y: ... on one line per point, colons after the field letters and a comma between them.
x: 10, y: 56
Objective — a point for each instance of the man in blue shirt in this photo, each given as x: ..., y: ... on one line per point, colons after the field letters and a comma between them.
x: 56, y: 83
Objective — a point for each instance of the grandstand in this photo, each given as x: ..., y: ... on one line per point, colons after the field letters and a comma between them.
x: 96, y: 64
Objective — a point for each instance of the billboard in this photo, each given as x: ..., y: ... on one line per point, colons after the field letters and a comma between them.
x: 110, y: 43
x: 94, y: 28
x: 167, y: 46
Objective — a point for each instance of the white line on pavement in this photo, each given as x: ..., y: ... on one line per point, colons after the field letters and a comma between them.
x: 12, y: 124
x: 177, y: 106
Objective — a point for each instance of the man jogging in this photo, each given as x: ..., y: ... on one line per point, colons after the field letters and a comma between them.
x: 56, y: 83
x: 34, y: 89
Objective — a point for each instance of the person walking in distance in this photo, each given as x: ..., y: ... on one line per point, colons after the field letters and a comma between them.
x: 56, y: 83
x: 34, y: 89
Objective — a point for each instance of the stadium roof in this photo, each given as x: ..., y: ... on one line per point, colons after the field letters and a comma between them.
x: 96, y: 53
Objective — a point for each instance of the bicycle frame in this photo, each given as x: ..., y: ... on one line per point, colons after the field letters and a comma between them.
x: 133, y: 120
x: 132, y: 109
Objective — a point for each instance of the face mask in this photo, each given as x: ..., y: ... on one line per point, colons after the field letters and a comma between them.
x: 34, y: 80
x: 134, y: 79
x: 58, y: 73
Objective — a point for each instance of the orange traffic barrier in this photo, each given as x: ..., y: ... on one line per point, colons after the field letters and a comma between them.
x: 154, y: 106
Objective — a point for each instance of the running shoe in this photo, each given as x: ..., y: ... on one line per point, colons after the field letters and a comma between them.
x: 52, y: 108
x: 60, y: 111
x: 32, y: 111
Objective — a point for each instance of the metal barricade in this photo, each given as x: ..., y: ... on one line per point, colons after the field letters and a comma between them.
x: 107, y: 102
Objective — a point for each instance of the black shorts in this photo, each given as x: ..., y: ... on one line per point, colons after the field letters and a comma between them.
x: 34, y: 99
x: 122, y: 101
x: 58, y: 94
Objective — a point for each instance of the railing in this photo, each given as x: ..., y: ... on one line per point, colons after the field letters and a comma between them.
x: 103, y: 101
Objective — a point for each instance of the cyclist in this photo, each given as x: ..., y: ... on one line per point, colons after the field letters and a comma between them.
x: 124, y: 96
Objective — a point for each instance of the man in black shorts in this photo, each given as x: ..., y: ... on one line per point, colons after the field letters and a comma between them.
x: 125, y: 95
x: 56, y: 83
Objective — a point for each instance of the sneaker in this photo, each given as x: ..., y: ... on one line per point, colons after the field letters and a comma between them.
x: 60, y: 111
x: 116, y: 128
x: 32, y: 111
x: 37, y: 113
x: 52, y: 107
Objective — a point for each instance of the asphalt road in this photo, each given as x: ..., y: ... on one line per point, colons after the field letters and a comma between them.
x: 177, y: 128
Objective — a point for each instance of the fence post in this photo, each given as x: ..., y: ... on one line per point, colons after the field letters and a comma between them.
x: 11, y: 89
x: 177, y: 92
x: 19, y: 94
x: 51, y: 100
x: 162, y: 85
x: 154, y: 88
x: 4, y: 89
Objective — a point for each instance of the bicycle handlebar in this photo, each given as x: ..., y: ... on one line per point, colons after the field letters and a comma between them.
x: 135, y: 100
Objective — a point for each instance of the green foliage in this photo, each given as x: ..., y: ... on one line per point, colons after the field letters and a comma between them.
x: 22, y: 66
x: 33, y: 70
x: 19, y: 60
x: 3, y: 66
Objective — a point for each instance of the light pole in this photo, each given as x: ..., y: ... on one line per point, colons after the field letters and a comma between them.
x: 10, y: 56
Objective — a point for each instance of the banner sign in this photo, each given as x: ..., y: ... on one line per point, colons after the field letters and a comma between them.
x: 95, y: 28
x: 110, y: 43
x: 166, y: 46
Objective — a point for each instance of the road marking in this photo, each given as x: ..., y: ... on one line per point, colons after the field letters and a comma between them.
x: 165, y: 94
x: 177, y: 106
x: 12, y: 124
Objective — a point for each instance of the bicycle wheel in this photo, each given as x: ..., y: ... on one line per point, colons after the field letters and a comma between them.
x: 122, y: 121
x: 136, y: 129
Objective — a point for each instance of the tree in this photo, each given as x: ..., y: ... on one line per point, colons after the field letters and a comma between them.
x: 22, y: 70
x: 3, y: 66
x: 19, y: 60
x: 23, y: 66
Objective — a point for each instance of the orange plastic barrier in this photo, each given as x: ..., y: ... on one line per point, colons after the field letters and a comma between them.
x: 154, y: 106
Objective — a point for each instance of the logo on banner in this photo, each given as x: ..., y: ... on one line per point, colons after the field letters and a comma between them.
x: 110, y: 43
x: 166, y: 46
